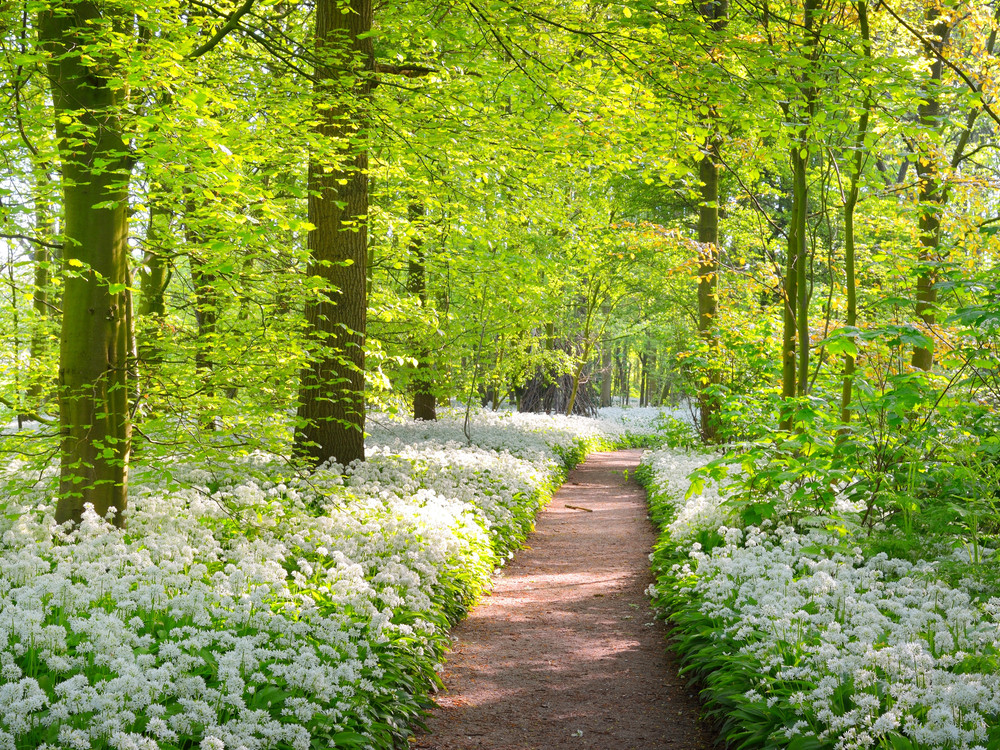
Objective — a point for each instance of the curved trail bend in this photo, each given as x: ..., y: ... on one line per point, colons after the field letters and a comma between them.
x: 565, y: 652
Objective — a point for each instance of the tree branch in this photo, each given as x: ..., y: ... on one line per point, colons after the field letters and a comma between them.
x: 228, y: 26
x: 35, y: 240
x: 940, y: 56
x: 406, y: 69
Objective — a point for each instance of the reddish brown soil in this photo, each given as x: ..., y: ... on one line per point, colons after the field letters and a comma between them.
x: 566, y: 652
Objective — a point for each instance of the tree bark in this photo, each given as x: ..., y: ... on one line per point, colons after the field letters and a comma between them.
x: 789, y: 330
x: 715, y: 13
x: 795, y: 328
x: 708, y: 279
x: 800, y: 164
x: 850, y: 204
x: 41, y: 259
x: 154, y: 276
x: 606, y: 377
x: 932, y: 195
x: 332, y: 404
x: 424, y: 403
x: 93, y: 392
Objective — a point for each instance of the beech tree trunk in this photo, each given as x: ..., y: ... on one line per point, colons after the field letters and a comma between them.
x: 932, y: 192
x: 789, y: 332
x: 795, y: 329
x: 850, y: 204
x: 715, y: 12
x: 607, y: 373
x: 94, y: 421
x: 41, y: 259
x: 332, y: 400
x: 154, y: 276
x: 708, y: 280
x: 424, y: 403
x: 800, y: 164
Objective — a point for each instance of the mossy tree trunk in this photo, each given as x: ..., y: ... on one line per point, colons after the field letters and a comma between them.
x: 933, y: 194
x: 850, y: 205
x: 795, y: 321
x: 93, y: 391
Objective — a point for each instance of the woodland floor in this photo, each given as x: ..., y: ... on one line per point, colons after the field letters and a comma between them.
x: 566, y: 652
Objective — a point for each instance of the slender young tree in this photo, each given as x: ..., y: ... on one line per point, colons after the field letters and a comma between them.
x: 424, y: 402
x: 932, y: 190
x: 42, y: 260
x: 154, y: 277
x: 795, y: 330
x: 850, y: 205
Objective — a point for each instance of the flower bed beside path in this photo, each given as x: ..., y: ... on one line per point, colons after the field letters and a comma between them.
x: 802, y: 641
x: 248, y: 606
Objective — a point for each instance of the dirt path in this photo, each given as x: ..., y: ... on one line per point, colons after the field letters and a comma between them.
x: 566, y: 652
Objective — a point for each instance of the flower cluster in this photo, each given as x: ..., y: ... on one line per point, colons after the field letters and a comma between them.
x: 802, y: 640
x: 253, y: 607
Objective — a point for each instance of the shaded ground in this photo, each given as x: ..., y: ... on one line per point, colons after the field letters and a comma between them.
x: 566, y: 652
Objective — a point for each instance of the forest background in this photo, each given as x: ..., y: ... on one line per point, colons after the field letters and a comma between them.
x: 240, y: 227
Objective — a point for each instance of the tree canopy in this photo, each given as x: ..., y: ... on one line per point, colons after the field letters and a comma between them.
x: 245, y: 225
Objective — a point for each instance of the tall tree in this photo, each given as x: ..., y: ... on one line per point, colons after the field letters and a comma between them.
x: 424, y: 402
x: 800, y: 111
x: 850, y: 205
x: 42, y: 261
x: 932, y: 189
x: 933, y: 168
x: 332, y: 399
x: 96, y: 166
x: 715, y: 14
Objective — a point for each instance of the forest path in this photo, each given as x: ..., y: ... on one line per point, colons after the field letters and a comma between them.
x: 566, y: 652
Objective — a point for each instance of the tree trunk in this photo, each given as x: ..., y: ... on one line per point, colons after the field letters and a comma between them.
x: 795, y: 329
x: 800, y: 164
x: 332, y: 400
x: 642, y: 378
x: 715, y: 13
x: 851, y: 283
x: 606, y: 378
x: 652, y: 386
x: 154, y: 276
x: 41, y: 258
x: 424, y: 403
x: 131, y: 347
x: 626, y: 374
x: 850, y: 204
x: 789, y: 330
x: 932, y: 193
x: 206, y: 315
x: 708, y: 275
x: 93, y: 391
